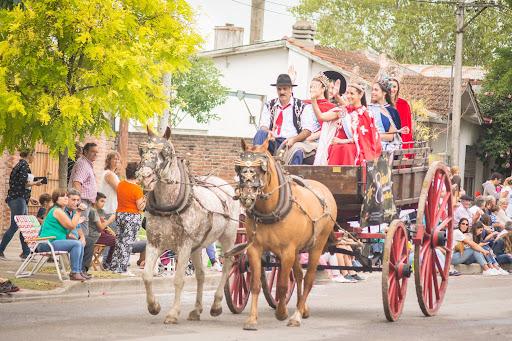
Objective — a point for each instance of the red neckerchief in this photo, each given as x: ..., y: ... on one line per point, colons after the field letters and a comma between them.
x: 279, y: 119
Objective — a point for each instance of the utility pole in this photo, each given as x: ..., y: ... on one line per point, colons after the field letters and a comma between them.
x: 457, y: 85
x: 257, y: 19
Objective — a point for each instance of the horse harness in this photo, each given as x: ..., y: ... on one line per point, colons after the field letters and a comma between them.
x: 286, y: 199
x: 185, y: 198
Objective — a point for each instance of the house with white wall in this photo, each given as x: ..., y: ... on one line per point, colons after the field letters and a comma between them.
x: 248, y: 71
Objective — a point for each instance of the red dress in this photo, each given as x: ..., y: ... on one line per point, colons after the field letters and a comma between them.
x: 403, y: 108
x: 366, y: 146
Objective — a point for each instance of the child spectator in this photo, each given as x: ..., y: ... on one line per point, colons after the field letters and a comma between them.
x: 97, y: 225
x: 45, y: 200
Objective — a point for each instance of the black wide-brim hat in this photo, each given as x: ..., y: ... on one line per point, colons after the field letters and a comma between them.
x: 333, y: 75
x: 283, y: 79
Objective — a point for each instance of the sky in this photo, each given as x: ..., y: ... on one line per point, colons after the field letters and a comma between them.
x: 277, y: 23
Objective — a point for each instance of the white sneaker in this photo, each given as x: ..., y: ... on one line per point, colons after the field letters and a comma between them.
x: 503, y: 272
x: 217, y: 267
x: 342, y: 279
x: 490, y: 272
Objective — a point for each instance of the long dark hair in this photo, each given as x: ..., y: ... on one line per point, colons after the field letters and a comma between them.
x: 460, y: 222
x: 398, y: 89
x: 476, y: 226
x: 387, y: 93
x: 363, y: 99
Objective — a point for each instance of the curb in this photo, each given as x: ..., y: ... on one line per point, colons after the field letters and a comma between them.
x: 107, y: 287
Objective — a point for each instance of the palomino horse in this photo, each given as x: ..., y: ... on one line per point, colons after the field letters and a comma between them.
x: 284, y: 217
x: 184, y: 214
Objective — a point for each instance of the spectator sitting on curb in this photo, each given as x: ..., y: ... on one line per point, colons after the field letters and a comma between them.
x: 491, y: 209
x: 466, y: 251
x: 478, y: 207
x: 501, y: 214
x: 502, y: 246
x: 45, y: 200
x: 463, y: 211
x: 97, y: 225
x: 477, y: 232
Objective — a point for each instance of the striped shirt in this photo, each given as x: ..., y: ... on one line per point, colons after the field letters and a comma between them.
x: 83, y: 172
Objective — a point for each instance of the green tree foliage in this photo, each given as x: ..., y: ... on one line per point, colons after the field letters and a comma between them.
x: 407, y: 30
x: 197, y: 91
x: 68, y: 66
x: 496, y: 103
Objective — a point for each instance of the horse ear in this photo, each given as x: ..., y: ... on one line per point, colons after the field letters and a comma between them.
x: 167, y: 133
x: 244, y: 145
x: 151, y: 133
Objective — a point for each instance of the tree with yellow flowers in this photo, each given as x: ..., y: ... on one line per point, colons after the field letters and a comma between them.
x: 67, y: 67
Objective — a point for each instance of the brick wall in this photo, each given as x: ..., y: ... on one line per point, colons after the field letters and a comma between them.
x: 205, y: 153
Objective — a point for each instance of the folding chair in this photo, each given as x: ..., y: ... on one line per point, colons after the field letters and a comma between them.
x: 29, y: 227
x: 96, y: 262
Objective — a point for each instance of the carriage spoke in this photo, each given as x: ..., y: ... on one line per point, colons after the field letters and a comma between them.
x: 436, y: 285
x: 439, y: 267
x: 443, y: 207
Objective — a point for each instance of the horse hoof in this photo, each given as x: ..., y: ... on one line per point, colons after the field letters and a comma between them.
x: 171, y: 320
x: 194, y: 316
x: 305, y: 314
x: 250, y: 326
x: 293, y: 323
x: 215, y: 311
x: 154, y: 309
x: 281, y: 316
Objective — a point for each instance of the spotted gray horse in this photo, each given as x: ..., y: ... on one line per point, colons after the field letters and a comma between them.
x: 184, y: 214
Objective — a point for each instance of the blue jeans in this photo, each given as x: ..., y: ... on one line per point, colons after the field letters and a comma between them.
x: 504, y: 259
x: 489, y: 258
x: 469, y: 256
x: 18, y: 206
x: 210, y: 251
x: 74, y: 247
x: 273, y: 146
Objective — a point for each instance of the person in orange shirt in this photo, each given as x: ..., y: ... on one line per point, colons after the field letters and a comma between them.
x: 130, y: 203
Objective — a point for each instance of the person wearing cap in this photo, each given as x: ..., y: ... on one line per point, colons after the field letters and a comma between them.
x: 285, y: 120
x: 463, y: 211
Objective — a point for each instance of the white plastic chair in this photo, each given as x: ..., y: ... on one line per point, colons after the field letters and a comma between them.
x: 29, y: 227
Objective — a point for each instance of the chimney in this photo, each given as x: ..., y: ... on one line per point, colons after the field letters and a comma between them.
x: 304, y: 32
x: 257, y: 19
x: 228, y: 36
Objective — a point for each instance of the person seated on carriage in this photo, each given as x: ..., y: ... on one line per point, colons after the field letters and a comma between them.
x: 319, y: 88
x: 286, y: 120
x: 353, y: 138
x: 387, y: 119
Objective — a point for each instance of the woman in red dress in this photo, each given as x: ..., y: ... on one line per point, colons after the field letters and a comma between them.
x: 356, y: 138
x: 404, y: 110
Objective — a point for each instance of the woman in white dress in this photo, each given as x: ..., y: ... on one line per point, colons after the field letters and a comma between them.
x: 109, y: 181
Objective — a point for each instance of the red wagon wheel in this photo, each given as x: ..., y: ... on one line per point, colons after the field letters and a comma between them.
x: 269, y: 286
x: 238, y: 285
x: 396, y: 270
x: 434, y: 238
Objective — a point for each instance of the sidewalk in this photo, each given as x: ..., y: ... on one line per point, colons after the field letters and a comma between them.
x: 46, y: 284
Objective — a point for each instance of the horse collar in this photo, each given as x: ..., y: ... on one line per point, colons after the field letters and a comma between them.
x: 183, y: 200
x: 284, y: 203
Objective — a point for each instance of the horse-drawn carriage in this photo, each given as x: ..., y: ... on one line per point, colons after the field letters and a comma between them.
x: 374, y: 194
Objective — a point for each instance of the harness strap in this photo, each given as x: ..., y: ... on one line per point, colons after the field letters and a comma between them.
x: 284, y: 204
x: 183, y: 200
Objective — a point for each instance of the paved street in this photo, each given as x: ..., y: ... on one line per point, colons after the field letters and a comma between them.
x: 476, y: 308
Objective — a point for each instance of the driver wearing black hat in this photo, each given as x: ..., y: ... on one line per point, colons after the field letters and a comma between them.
x: 285, y: 119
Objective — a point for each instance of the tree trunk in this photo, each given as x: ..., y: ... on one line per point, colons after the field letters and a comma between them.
x: 63, y: 169
x: 122, y: 146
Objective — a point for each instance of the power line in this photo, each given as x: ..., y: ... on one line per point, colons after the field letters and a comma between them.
x: 263, y: 8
